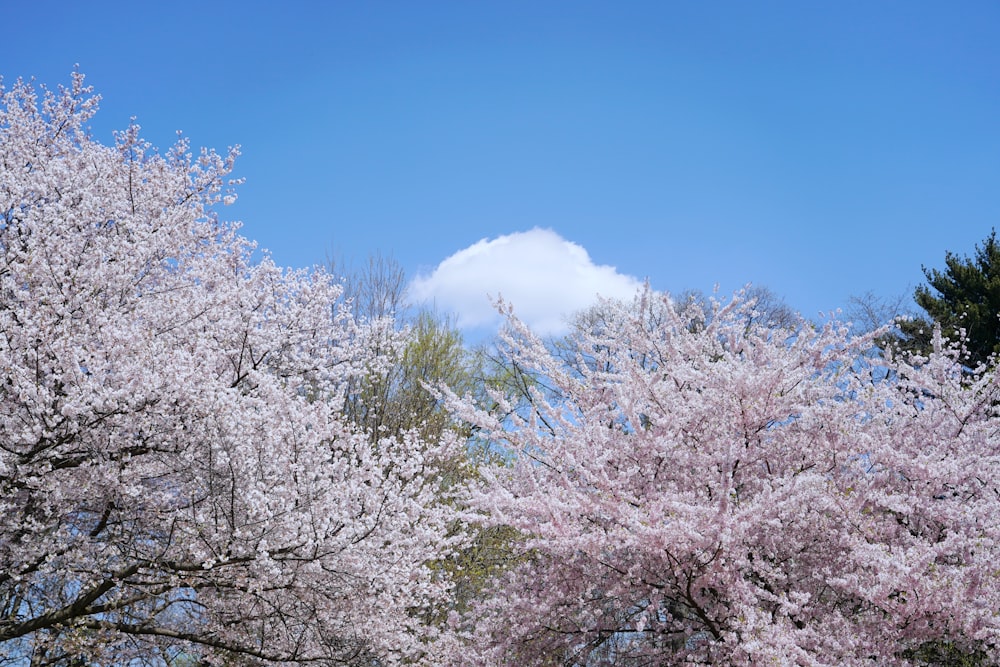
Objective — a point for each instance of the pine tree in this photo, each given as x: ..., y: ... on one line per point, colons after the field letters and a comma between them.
x: 964, y: 297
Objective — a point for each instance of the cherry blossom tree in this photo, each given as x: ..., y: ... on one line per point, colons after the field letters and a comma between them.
x: 177, y: 480
x: 739, y: 494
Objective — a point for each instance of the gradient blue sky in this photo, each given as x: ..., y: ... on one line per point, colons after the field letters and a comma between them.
x: 822, y: 149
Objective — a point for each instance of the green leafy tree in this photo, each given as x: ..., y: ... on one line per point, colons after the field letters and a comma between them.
x: 412, y: 354
x: 964, y: 300
x: 412, y: 351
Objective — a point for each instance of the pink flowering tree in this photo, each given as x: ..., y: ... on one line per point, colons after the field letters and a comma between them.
x: 177, y: 481
x: 701, y: 488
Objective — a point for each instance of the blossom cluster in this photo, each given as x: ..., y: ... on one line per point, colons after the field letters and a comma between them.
x: 176, y: 474
x: 705, y: 488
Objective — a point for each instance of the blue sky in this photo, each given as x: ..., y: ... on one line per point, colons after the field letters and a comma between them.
x: 819, y: 149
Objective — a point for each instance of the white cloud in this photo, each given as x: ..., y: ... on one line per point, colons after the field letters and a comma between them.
x: 543, y: 275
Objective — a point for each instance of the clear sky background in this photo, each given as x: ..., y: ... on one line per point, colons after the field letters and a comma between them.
x: 548, y: 150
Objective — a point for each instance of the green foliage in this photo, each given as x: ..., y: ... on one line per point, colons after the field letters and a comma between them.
x: 397, y: 396
x: 946, y: 654
x: 964, y: 297
x: 490, y: 551
x: 414, y: 355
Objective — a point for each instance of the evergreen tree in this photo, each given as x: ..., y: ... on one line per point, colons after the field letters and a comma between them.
x: 965, y: 296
